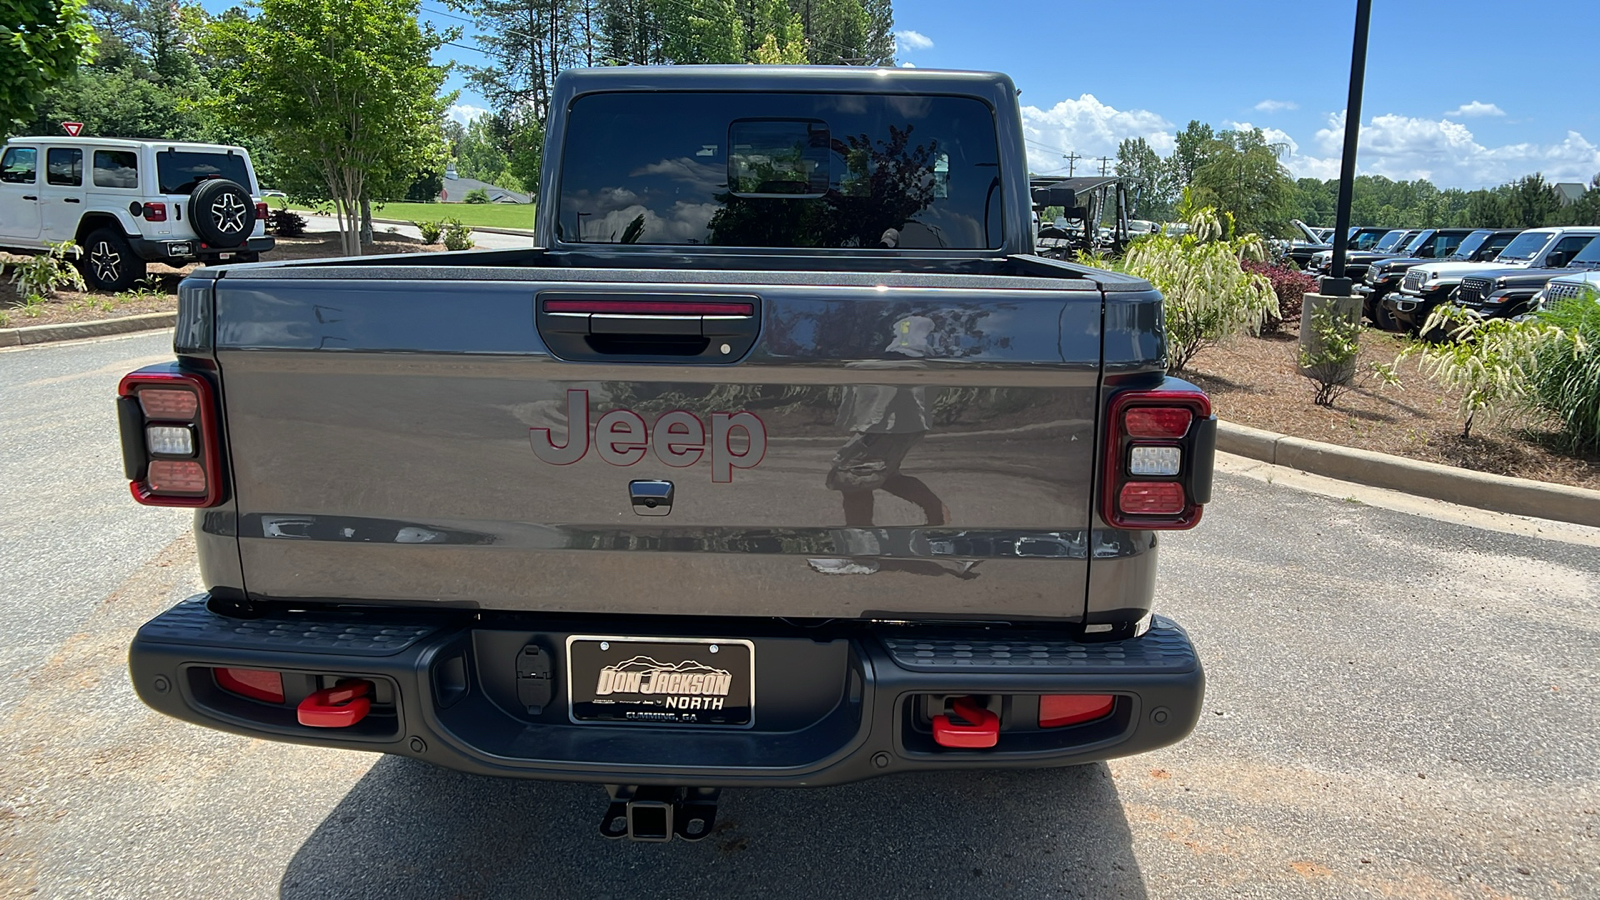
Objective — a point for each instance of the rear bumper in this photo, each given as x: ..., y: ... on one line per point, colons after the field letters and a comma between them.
x: 835, y: 706
x: 193, y: 249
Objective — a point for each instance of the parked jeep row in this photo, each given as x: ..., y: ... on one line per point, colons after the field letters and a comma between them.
x: 1403, y: 275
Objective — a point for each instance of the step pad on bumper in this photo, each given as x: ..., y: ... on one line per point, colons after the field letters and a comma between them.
x: 348, y: 633
x: 1165, y: 648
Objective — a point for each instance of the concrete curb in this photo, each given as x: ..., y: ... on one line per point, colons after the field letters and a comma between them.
x: 72, y: 331
x: 1497, y: 493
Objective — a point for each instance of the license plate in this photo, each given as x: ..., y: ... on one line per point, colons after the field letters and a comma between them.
x: 661, y: 681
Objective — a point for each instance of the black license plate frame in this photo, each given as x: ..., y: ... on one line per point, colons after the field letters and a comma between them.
x: 678, y: 682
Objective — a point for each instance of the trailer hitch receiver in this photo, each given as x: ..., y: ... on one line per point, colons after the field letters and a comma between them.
x: 655, y: 814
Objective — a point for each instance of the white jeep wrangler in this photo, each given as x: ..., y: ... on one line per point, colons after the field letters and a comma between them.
x: 128, y: 202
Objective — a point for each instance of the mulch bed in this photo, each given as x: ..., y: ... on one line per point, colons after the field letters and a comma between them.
x: 1253, y: 381
x: 161, y: 294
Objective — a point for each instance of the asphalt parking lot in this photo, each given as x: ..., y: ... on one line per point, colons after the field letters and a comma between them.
x: 1401, y: 702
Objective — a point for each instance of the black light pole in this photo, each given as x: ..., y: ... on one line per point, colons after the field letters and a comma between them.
x: 1334, y: 284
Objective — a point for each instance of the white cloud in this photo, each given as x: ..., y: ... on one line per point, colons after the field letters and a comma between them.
x: 1276, y: 105
x: 1475, y: 108
x: 1399, y: 147
x: 908, y: 65
x: 909, y: 40
x: 1089, y: 128
x: 1447, y: 153
x: 465, y: 113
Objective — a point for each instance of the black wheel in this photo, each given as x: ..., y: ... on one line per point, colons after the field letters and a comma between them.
x: 1383, y: 318
x: 222, y: 213
x: 108, y: 261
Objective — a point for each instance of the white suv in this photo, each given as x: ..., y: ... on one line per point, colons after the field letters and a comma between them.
x: 128, y: 202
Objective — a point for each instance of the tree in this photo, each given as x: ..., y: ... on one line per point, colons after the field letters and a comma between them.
x: 1148, y: 178
x: 1243, y: 176
x: 700, y: 31
x: 880, y: 32
x: 42, y: 43
x: 343, y: 88
x: 836, y: 31
x: 1584, y: 211
x: 1192, y: 151
x: 1531, y: 201
x: 146, y: 80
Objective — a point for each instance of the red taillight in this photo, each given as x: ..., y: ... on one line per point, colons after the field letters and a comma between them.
x: 163, y: 404
x: 155, y: 212
x: 1059, y: 710
x: 1152, y: 498
x: 257, y: 684
x: 176, y: 476
x: 261, y: 212
x: 163, y: 399
x: 1153, y: 452
x: 1157, y: 422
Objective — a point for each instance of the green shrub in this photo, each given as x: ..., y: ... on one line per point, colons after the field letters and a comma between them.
x: 476, y: 195
x: 431, y: 231
x: 457, y: 236
x: 1338, y: 343
x: 1209, y: 295
x: 45, y: 273
x: 286, y: 223
x: 1487, y: 360
x: 1565, y: 378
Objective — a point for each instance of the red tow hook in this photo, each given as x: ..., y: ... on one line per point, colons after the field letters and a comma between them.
x: 340, y: 706
x: 982, y: 732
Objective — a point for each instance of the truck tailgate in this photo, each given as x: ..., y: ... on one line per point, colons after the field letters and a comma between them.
x: 919, y: 447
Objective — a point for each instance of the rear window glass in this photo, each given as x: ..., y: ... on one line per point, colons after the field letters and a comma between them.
x: 64, y: 166
x: 781, y: 170
x: 179, y: 171
x: 116, y: 169
x: 20, y: 165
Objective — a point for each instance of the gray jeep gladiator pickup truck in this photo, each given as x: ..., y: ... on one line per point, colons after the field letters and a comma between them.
x: 780, y: 460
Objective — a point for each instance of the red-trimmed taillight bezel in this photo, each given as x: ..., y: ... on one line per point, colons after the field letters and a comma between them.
x: 1119, y: 445
x: 208, y: 444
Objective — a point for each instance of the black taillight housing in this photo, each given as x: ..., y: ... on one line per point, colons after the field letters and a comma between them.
x: 1159, y: 452
x: 171, y: 451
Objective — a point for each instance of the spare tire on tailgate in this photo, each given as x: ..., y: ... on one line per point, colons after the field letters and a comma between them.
x: 223, y: 213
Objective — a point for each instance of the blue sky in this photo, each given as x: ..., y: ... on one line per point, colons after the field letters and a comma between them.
x: 1468, y: 94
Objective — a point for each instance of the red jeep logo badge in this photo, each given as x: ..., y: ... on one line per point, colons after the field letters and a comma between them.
x: 678, y: 438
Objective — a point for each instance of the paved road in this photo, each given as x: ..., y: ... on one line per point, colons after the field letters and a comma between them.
x: 485, y: 240
x: 1400, y: 704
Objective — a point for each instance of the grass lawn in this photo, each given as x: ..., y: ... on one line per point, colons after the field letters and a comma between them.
x: 490, y: 215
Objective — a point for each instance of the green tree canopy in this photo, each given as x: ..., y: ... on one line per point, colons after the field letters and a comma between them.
x: 1242, y: 175
x: 344, y: 89
x: 1152, y: 188
x: 42, y: 42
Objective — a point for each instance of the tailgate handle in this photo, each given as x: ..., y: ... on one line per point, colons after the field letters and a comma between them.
x: 689, y: 328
